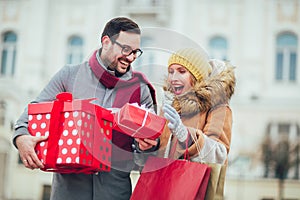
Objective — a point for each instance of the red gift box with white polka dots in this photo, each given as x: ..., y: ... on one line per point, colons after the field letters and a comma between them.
x: 138, y: 122
x: 79, y: 134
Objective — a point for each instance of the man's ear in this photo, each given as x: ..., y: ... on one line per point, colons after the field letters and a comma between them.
x: 106, y: 42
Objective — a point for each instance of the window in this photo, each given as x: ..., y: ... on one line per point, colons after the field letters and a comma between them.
x: 281, y: 150
x: 75, y: 50
x: 8, y: 53
x: 46, y: 192
x: 143, y: 2
x: 286, y: 57
x: 2, y: 112
x: 218, y: 48
x: 3, y: 172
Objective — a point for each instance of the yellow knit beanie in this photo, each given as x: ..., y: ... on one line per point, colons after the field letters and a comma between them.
x: 194, y: 60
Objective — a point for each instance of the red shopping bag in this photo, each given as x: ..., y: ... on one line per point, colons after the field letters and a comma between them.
x: 164, y: 179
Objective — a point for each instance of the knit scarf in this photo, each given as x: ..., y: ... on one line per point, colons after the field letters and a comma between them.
x: 127, y: 91
x: 124, y: 87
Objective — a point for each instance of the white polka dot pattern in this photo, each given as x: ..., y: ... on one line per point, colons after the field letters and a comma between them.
x: 79, y: 143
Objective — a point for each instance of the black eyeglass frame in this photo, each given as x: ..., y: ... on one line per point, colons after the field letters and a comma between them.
x: 136, y: 52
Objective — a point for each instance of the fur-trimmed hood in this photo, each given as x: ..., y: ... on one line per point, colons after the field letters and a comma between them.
x: 215, y: 90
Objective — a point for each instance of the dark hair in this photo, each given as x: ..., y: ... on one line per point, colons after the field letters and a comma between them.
x: 118, y: 24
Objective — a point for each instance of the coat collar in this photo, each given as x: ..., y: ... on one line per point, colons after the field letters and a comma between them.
x: 206, y: 94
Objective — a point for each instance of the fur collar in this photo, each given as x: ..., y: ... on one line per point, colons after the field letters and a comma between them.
x: 206, y: 94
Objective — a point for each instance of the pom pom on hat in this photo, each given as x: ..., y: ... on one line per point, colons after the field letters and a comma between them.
x: 196, y: 61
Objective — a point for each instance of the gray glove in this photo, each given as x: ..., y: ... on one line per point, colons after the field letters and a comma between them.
x: 175, y: 123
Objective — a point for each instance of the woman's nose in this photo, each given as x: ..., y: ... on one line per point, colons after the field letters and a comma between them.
x: 174, y: 75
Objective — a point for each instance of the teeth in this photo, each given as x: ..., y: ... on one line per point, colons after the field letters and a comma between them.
x: 178, y: 88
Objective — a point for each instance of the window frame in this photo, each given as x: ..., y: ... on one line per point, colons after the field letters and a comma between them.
x: 286, y: 57
x: 8, y: 53
x: 75, y: 45
x: 218, y: 46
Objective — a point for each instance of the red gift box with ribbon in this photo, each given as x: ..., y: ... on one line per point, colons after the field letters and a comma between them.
x: 138, y: 122
x: 79, y: 134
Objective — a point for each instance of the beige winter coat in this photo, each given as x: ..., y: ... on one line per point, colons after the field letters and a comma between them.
x: 204, y: 111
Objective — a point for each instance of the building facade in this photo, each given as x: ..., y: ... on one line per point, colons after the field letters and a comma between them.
x: 261, y: 38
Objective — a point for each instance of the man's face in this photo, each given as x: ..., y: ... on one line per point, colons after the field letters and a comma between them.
x: 112, y: 51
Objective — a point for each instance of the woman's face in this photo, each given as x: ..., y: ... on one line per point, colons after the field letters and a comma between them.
x: 179, y: 78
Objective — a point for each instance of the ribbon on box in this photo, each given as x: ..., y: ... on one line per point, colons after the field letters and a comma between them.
x: 135, y: 131
x: 64, y: 102
x: 55, y: 128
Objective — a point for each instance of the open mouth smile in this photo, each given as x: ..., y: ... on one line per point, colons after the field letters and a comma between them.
x: 178, y: 89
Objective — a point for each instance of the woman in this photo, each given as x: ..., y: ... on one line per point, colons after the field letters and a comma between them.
x: 197, y: 94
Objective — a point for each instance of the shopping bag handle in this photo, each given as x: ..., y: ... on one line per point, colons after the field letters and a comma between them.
x: 186, y: 153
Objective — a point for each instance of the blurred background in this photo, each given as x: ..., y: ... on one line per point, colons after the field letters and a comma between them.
x: 260, y: 37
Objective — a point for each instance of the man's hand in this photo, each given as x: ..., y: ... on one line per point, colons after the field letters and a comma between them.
x: 26, y: 145
x: 145, y: 144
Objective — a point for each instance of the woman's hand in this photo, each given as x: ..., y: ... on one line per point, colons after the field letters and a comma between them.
x: 175, y: 124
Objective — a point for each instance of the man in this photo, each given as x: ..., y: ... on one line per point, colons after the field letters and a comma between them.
x: 108, y: 76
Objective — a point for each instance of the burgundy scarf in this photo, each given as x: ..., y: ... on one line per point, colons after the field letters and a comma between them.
x: 128, y: 92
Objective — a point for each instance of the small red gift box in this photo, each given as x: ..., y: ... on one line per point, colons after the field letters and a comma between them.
x: 138, y: 122
x: 79, y: 131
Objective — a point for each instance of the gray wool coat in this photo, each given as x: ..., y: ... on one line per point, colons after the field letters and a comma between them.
x: 82, y: 83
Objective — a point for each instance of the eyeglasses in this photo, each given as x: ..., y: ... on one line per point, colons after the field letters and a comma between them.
x: 127, y: 50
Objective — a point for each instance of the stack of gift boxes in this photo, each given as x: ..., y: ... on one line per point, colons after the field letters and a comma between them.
x: 80, y: 132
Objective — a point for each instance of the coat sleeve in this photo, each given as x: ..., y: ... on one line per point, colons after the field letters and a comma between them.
x: 214, y: 140
x: 146, y: 98
x: 55, y: 86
